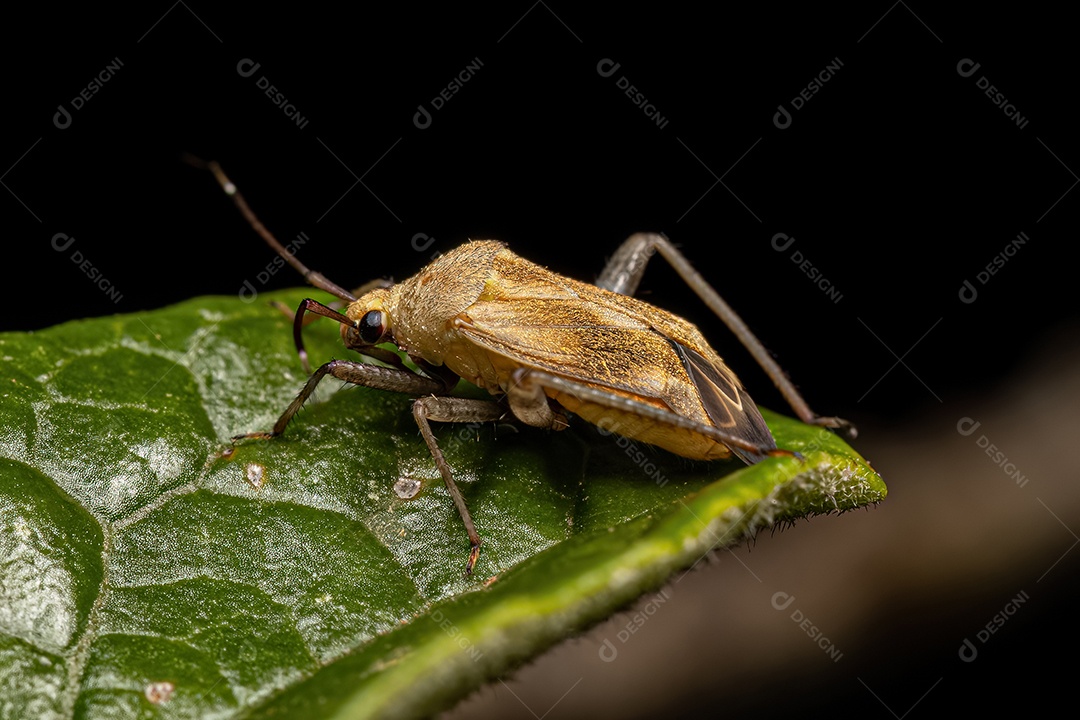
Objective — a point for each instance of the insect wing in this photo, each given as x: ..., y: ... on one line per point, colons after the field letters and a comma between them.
x: 727, y: 403
x: 602, y: 339
x: 576, y: 340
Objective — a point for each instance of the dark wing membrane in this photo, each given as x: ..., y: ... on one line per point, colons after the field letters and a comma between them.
x: 726, y: 402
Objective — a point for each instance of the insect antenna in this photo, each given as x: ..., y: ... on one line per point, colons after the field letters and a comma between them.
x: 315, y: 278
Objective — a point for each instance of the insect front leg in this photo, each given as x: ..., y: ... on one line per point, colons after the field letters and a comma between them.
x: 623, y: 272
x: 365, y: 374
x: 451, y: 409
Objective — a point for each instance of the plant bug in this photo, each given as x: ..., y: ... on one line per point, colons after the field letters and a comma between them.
x: 544, y: 346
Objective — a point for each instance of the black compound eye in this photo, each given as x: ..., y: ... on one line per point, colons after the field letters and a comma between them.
x: 372, y: 326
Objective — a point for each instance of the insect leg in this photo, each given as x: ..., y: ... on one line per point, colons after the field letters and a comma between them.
x: 624, y: 269
x: 596, y: 396
x: 309, y: 308
x: 451, y: 409
x: 530, y: 404
x: 337, y: 304
x: 365, y: 374
x: 623, y: 273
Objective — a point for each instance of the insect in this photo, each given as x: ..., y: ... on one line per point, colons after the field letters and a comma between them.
x: 544, y: 346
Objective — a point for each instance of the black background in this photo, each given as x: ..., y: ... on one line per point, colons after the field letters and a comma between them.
x: 899, y: 179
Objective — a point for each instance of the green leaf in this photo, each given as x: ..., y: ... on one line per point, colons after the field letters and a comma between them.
x: 148, y: 570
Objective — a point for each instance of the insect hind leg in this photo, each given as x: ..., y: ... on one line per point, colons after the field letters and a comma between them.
x: 746, y: 449
x: 531, y: 405
x: 623, y: 273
